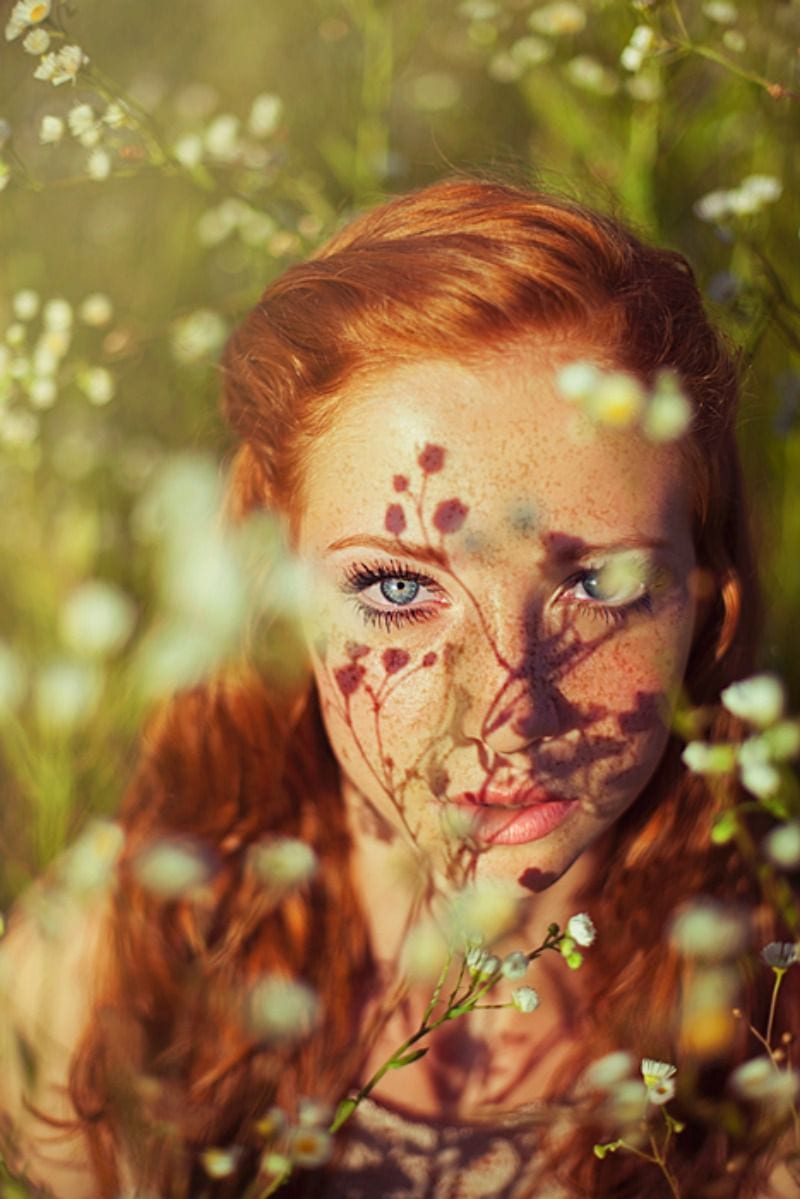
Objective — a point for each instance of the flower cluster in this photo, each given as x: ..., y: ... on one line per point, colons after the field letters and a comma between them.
x: 751, y: 195
x: 760, y: 702
x: 33, y: 359
x: 617, y: 400
x: 55, y: 66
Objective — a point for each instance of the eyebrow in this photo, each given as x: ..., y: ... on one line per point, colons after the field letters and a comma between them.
x: 560, y: 547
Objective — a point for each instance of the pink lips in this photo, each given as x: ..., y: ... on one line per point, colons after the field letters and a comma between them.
x: 505, y: 818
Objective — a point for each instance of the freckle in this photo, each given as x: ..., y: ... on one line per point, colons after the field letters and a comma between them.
x: 475, y: 542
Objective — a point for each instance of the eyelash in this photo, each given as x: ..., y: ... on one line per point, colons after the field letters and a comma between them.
x: 362, y: 575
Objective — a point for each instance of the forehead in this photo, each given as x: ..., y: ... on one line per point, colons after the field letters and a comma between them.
x: 523, y: 459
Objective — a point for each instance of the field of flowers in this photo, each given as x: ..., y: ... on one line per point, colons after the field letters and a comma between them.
x: 160, y: 163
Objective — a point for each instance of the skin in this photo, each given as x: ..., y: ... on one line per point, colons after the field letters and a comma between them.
x: 516, y: 677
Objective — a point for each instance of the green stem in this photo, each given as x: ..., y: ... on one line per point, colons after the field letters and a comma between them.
x: 773, y: 1004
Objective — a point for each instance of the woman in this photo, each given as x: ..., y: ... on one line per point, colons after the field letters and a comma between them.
x: 508, y: 604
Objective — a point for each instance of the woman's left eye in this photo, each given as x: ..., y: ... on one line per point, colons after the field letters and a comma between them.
x: 614, y: 590
x: 396, y: 586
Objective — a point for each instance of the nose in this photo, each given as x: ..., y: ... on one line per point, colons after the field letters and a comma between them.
x: 521, y: 712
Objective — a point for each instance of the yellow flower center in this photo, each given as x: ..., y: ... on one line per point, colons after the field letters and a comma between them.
x: 38, y: 12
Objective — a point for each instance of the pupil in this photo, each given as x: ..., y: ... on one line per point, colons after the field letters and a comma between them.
x: 399, y: 591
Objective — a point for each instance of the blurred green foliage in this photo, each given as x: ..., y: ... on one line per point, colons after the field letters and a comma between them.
x: 182, y: 203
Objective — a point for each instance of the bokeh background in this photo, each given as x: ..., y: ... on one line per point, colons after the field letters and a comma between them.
x: 155, y: 179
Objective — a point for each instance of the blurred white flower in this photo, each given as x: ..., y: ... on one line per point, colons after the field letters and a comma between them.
x: 281, y: 1009
x: 97, y: 384
x: 5, y: 175
x: 309, y: 1146
x: 515, y: 965
x: 639, y: 46
x: 658, y: 1079
x: 80, y: 118
x: 581, y: 929
x: 425, y: 951
x: 12, y: 679
x: 222, y: 137
x: 668, y: 414
x: 617, y: 400
x: 18, y: 429
x: 90, y: 864
x: 96, y: 310
x: 284, y: 862
x: 57, y: 315
x: 762, y: 1081
x: 721, y: 11
x: 589, y: 73
x: 36, y: 42
x: 782, y: 845
x: 42, y: 391
x: 172, y: 656
x: 197, y: 336
x: 708, y: 929
x: 98, y: 165
x: 780, y: 955
x: 220, y: 1163
x: 265, y: 115
x: 475, y: 956
x: 714, y: 206
x: 762, y: 189
x: 15, y: 335
x: 525, y: 999
x: 96, y: 619
x: 65, y: 694
x: 481, y: 912
x: 61, y: 66
x: 627, y: 1101
x: 577, y: 380
x: 25, y: 304
x: 734, y: 39
x: 558, y: 18
x: 51, y: 130
x: 709, y: 759
x: 490, y: 965
x: 761, y: 779
x: 114, y: 115
x: 188, y: 150
x: 25, y: 13
x: 172, y: 867
x: 608, y: 1072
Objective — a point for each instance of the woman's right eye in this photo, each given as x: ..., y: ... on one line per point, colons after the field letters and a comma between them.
x: 397, y: 587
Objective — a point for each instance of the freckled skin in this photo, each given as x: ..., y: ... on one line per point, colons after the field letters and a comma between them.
x: 493, y: 468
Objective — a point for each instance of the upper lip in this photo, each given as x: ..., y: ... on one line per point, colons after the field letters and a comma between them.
x: 518, y: 797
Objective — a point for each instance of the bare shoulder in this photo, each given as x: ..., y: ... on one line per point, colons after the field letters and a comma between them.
x: 47, y: 966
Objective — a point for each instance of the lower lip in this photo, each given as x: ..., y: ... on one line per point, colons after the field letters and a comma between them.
x: 516, y: 826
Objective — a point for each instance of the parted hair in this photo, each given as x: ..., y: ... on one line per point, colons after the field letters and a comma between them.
x: 167, y: 1068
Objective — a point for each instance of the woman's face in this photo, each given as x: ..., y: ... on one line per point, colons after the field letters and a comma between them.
x: 502, y: 610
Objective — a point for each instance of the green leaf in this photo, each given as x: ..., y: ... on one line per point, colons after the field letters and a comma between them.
x: 408, y: 1058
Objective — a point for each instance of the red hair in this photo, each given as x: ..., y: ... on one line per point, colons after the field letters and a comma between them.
x: 456, y: 270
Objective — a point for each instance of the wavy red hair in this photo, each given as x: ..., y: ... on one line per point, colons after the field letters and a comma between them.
x: 459, y: 269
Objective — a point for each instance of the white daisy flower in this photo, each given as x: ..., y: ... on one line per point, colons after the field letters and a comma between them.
x: 36, y: 42
x: 780, y: 955
x: 61, y: 66
x: 658, y: 1079
x: 25, y: 13
x: 310, y: 1146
